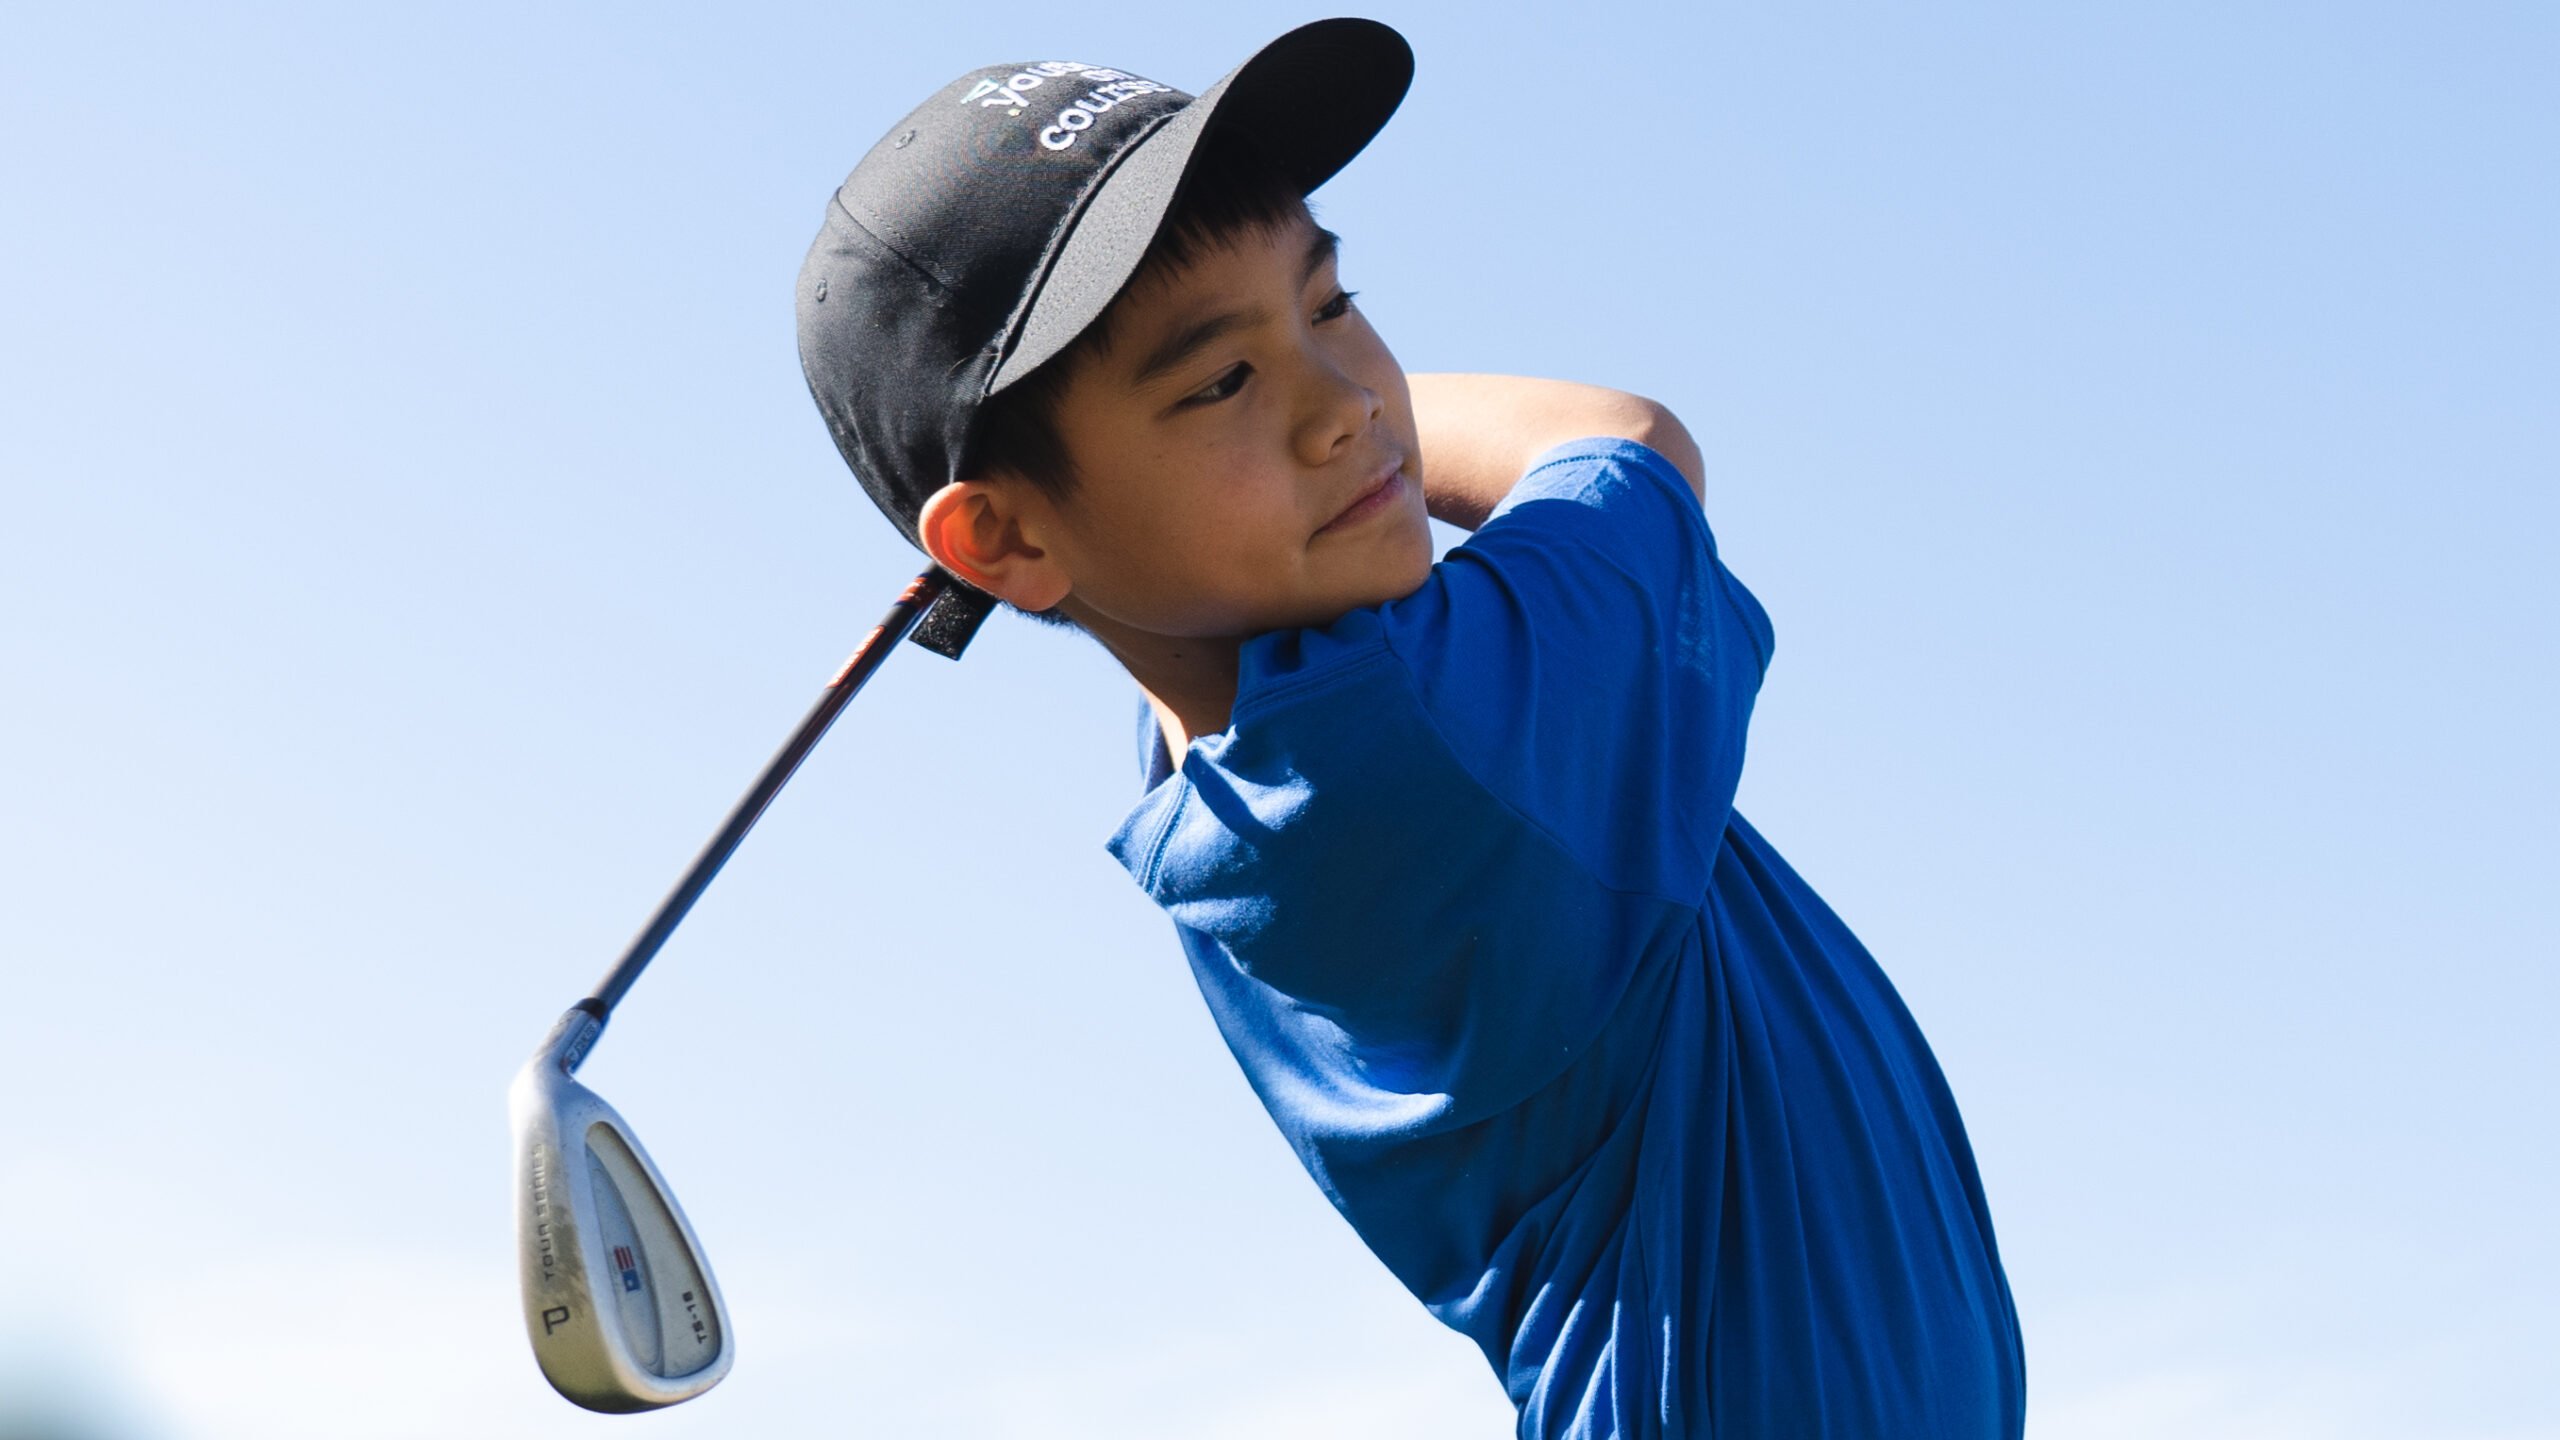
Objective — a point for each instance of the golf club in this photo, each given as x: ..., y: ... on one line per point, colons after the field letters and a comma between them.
x: 618, y: 1299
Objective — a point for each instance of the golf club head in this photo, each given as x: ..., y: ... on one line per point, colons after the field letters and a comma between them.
x: 618, y: 1300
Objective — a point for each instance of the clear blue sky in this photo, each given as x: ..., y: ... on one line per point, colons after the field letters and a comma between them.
x: 2138, y: 419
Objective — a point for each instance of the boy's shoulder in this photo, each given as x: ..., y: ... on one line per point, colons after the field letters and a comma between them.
x: 1599, y: 540
x: 1577, y: 666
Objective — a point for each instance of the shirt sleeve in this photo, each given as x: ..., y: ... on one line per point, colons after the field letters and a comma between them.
x: 1589, y: 660
x: 1441, y: 839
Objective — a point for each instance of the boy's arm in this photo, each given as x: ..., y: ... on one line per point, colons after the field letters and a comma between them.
x: 1479, y: 432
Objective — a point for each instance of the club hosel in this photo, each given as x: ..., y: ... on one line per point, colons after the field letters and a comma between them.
x: 572, y: 1036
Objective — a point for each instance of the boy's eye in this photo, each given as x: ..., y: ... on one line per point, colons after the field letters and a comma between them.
x: 1222, y: 387
x: 1337, y: 307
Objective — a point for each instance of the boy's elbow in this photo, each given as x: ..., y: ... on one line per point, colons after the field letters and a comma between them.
x: 1652, y: 425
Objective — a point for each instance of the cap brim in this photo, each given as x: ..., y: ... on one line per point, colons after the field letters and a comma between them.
x: 1310, y: 100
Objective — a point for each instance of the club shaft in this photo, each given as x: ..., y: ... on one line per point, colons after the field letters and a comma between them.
x: 697, y: 878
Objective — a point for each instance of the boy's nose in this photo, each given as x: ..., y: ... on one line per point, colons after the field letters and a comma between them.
x: 1340, y: 411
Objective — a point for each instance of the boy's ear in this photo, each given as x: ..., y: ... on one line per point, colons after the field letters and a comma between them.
x: 974, y: 529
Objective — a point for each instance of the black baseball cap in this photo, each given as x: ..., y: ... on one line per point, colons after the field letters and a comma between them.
x: 1000, y: 218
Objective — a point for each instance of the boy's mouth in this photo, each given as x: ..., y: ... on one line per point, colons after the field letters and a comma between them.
x: 1378, y: 495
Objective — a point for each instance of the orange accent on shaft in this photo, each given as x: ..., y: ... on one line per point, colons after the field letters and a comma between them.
x: 858, y: 652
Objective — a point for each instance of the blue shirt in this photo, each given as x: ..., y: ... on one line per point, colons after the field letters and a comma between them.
x: 1597, y: 1076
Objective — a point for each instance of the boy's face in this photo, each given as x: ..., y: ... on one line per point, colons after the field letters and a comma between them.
x: 1244, y: 451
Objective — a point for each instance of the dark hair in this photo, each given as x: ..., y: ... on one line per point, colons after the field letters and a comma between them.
x: 1231, y: 191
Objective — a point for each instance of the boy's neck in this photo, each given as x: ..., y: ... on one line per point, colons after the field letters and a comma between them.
x: 1189, y: 683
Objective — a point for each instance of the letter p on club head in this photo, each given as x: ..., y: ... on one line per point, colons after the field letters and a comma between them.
x: 618, y: 1300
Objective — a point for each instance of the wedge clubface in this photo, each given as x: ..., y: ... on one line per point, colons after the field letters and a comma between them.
x: 618, y: 1299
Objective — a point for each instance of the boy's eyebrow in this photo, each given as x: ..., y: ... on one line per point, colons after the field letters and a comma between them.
x: 1325, y: 246
x: 1180, y: 345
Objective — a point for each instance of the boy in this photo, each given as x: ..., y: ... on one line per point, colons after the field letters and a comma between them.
x: 1450, y: 847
